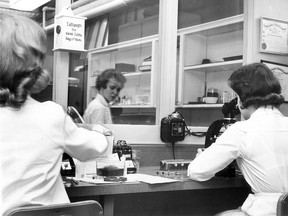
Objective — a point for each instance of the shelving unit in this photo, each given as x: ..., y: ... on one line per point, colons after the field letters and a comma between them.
x: 209, y: 36
x: 209, y: 42
x: 127, y: 56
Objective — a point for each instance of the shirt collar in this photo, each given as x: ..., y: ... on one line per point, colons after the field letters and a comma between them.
x: 266, y: 111
x: 102, y: 100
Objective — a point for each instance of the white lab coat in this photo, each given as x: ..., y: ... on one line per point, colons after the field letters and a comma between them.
x: 98, y: 111
x: 32, y: 142
x: 260, y: 145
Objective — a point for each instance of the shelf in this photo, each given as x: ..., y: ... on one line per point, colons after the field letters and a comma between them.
x: 126, y: 44
x: 217, y: 66
x: 132, y: 106
x: 136, y: 73
x: 226, y: 23
x: 218, y: 105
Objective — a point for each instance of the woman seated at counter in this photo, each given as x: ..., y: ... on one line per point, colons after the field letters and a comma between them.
x: 34, y: 135
x: 259, y: 143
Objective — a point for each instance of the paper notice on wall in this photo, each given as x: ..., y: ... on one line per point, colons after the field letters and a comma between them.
x: 69, y: 31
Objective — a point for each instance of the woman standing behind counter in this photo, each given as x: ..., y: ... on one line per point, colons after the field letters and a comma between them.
x: 259, y: 144
x: 108, y: 84
x: 34, y: 135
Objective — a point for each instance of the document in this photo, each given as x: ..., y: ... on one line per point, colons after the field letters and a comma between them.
x: 130, y: 178
x: 150, y: 179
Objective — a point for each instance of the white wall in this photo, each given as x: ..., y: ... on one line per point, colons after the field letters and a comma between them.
x: 276, y: 9
x: 255, y: 9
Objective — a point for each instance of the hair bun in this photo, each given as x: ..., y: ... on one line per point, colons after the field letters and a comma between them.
x: 42, y: 80
x: 4, y: 96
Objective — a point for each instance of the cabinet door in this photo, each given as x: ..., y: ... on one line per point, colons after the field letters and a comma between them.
x: 135, y: 61
x: 209, y: 53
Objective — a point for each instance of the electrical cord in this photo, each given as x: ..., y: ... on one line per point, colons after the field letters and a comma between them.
x: 186, y: 131
x: 189, y: 132
x: 173, y: 149
x: 198, y: 134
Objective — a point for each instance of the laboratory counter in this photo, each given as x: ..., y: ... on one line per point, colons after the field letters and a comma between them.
x: 185, y: 197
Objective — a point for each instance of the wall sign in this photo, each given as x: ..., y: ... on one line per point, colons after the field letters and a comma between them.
x: 281, y: 72
x: 69, y: 31
x: 273, y: 36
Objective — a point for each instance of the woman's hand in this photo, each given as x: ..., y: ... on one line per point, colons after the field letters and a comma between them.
x: 97, y: 127
x: 199, y: 151
x: 102, y: 129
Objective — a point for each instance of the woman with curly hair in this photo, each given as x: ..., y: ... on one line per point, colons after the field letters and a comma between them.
x: 259, y: 143
x: 108, y: 84
x: 34, y: 135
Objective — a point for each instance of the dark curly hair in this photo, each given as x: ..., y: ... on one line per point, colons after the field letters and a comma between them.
x: 23, y: 48
x: 256, y: 85
x: 107, y: 74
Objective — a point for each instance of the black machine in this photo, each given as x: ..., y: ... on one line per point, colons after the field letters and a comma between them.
x: 68, y: 166
x: 173, y: 128
x: 229, y: 110
x: 123, y: 149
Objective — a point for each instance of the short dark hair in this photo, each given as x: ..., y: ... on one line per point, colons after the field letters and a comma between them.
x: 107, y: 74
x: 256, y: 85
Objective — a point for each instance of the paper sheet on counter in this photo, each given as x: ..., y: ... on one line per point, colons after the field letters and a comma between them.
x: 131, y: 178
x: 150, y: 179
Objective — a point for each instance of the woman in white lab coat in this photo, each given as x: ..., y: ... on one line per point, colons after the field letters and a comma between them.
x: 259, y: 143
x: 33, y: 135
x: 108, y: 84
